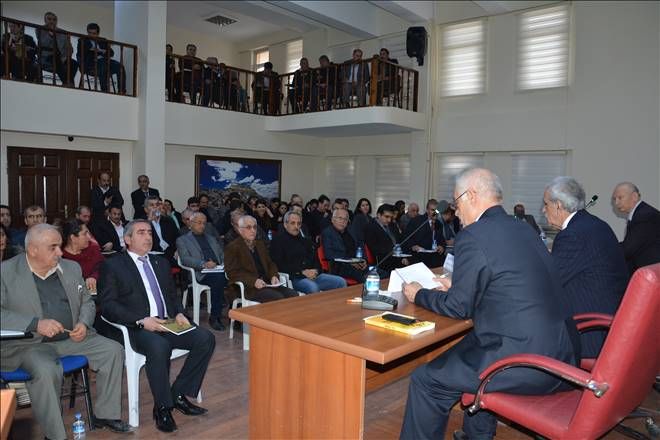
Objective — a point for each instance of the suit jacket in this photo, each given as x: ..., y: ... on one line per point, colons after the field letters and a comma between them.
x: 505, y: 281
x: 97, y: 200
x: 380, y: 244
x: 641, y: 246
x: 358, y: 226
x: 20, y: 302
x: 137, y: 200
x: 104, y: 232
x: 86, y: 52
x: 293, y: 254
x: 334, y: 246
x: 424, y: 237
x: 191, y: 253
x: 363, y: 71
x: 592, y: 272
x: 122, y: 294
x: 531, y: 221
x: 170, y: 233
x: 240, y: 266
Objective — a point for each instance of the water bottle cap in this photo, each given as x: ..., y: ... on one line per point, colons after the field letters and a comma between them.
x: 78, y: 416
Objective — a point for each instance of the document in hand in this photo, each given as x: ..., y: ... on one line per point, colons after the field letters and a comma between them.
x: 415, y: 272
x: 172, y: 327
x: 275, y: 285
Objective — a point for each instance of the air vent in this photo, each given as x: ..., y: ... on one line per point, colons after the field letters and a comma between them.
x: 220, y: 20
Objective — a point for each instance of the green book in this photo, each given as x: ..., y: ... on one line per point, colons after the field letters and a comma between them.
x: 172, y: 327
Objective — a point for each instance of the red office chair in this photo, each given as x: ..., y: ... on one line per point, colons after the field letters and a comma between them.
x: 618, y: 382
x: 325, y: 265
x: 371, y: 260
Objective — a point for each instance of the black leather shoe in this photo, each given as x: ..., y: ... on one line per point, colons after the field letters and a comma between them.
x: 164, y: 420
x: 460, y: 435
x: 113, y: 425
x: 216, y: 324
x: 182, y: 404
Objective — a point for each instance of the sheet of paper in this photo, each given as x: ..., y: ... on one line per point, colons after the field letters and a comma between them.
x: 416, y: 272
x: 7, y: 333
x: 216, y: 269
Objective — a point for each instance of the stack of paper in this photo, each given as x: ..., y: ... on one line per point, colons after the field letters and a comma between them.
x: 418, y: 272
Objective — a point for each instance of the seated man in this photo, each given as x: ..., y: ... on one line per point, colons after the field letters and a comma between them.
x: 427, y: 238
x: 451, y: 225
x: 12, y: 234
x: 47, y: 296
x: 591, y: 269
x: 22, y: 54
x: 109, y: 233
x: 55, y: 50
x: 84, y: 214
x: 165, y: 232
x: 413, y: 211
x: 32, y: 215
x: 200, y: 250
x: 519, y: 214
x: 247, y: 261
x: 94, y: 55
x: 381, y: 237
x: 295, y: 255
x: 235, y: 232
x: 136, y: 290
x: 503, y: 280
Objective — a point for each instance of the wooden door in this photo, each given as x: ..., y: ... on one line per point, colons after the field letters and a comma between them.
x: 58, y: 180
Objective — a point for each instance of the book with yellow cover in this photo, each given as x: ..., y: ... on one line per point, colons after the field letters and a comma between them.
x: 409, y: 329
x: 172, y: 327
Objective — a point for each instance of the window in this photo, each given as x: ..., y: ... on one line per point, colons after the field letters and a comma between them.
x: 260, y: 58
x: 447, y: 166
x: 294, y: 52
x: 463, y: 58
x: 340, y: 173
x: 543, y: 48
x: 530, y: 173
x: 392, y: 179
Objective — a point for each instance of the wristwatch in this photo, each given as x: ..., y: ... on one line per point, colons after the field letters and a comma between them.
x: 139, y: 323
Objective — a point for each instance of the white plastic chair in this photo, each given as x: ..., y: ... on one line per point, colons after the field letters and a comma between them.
x: 134, y: 361
x: 197, y: 290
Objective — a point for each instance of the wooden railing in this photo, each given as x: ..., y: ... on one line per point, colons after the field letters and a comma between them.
x: 364, y: 83
x: 35, y: 53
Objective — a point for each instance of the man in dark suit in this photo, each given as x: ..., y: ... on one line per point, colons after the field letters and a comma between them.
x: 165, y: 232
x: 519, y: 214
x: 451, y: 225
x: 137, y: 290
x: 110, y: 230
x: 355, y: 79
x: 95, y: 59
x: 503, y: 280
x: 381, y: 237
x: 104, y: 196
x: 641, y: 245
x: 138, y: 196
x: 587, y: 255
x: 337, y: 242
x: 389, y: 79
x: 427, y: 238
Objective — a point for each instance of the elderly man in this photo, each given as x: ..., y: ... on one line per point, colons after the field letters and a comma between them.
x: 413, y: 211
x: 55, y: 50
x: 641, y: 245
x: 200, y: 250
x: 137, y: 290
x: 586, y: 253
x: 428, y: 242
x: 46, y: 296
x: 104, y: 196
x: 247, y: 261
x: 235, y: 232
x: 139, y: 195
x: 295, y: 255
x: 503, y: 280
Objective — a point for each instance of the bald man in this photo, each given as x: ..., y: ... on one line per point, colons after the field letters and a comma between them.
x: 503, y: 280
x: 641, y: 245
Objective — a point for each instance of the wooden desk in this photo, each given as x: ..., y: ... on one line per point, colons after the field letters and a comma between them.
x: 7, y: 410
x: 312, y: 359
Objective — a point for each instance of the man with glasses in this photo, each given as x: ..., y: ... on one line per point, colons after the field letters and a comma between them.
x: 381, y: 237
x: 428, y: 242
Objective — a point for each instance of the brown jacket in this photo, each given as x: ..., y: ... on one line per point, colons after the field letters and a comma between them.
x: 239, y: 265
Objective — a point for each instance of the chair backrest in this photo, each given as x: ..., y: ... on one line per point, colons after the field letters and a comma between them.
x: 321, y: 254
x: 370, y: 257
x: 629, y: 360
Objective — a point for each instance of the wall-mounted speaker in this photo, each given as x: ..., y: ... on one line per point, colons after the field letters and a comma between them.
x: 416, y: 43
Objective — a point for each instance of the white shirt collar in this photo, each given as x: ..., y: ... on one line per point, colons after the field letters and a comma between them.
x: 632, y: 211
x: 568, y: 220
x: 49, y: 273
x: 135, y: 256
x: 479, y: 216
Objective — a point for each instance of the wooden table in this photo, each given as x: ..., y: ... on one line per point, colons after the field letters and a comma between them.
x: 7, y: 410
x: 312, y: 359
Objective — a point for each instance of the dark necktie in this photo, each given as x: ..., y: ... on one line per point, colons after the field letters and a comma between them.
x: 627, y: 227
x: 153, y: 284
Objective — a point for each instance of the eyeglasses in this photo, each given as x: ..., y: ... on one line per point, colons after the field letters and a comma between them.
x: 342, y: 219
x: 455, y: 201
x: 249, y: 227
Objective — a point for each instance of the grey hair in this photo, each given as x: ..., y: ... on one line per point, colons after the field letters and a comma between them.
x: 148, y: 199
x: 37, y: 231
x: 568, y: 192
x: 482, y: 180
x: 128, y: 229
x: 187, y: 213
x: 289, y: 214
x: 235, y: 215
x: 630, y: 186
x: 245, y: 218
x: 197, y: 214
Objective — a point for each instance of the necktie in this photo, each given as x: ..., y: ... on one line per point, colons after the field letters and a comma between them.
x: 432, y: 231
x: 627, y: 227
x: 153, y: 284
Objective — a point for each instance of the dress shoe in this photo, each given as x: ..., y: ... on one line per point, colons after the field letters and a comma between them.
x: 216, y: 324
x: 182, y: 404
x: 460, y: 435
x: 113, y: 425
x: 164, y: 420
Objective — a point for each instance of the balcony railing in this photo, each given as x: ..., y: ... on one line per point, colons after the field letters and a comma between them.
x: 37, y: 54
x: 364, y: 83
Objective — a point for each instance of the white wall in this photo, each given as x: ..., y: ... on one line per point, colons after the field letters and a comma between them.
x: 207, y: 45
x: 607, y: 118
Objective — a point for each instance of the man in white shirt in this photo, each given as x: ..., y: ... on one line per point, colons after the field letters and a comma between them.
x: 356, y: 78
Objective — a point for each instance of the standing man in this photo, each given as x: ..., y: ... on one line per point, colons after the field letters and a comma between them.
x: 641, y: 245
x: 139, y: 195
x: 503, y: 280
x: 104, y: 196
x: 587, y: 255
x: 200, y: 250
x: 137, y: 290
x: 519, y: 214
x: 46, y: 296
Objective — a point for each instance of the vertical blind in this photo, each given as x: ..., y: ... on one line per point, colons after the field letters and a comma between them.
x: 392, y: 179
x: 294, y: 52
x: 543, y: 48
x: 260, y: 58
x: 445, y: 169
x: 463, y: 58
x: 340, y: 174
x: 530, y: 173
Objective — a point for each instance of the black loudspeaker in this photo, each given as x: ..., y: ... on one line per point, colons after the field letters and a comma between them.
x: 416, y: 43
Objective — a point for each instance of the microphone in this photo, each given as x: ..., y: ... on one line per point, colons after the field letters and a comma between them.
x: 443, y: 206
x: 591, y: 202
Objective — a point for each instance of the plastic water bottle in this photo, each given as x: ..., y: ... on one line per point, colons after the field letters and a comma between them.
x: 372, y: 284
x: 434, y: 245
x: 359, y: 253
x: 397, y: 250
x: 270, y: 235
x: 78, y: 428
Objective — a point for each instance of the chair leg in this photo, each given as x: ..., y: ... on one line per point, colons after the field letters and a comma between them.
x: 72, y: 394
x: 88, y: 398
x: 208, y: 302
x: 196, y: 301
x: 185, y: 297
x: 133, y: 382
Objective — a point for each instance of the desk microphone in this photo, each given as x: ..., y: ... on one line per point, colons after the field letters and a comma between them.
x: 591, y: 202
